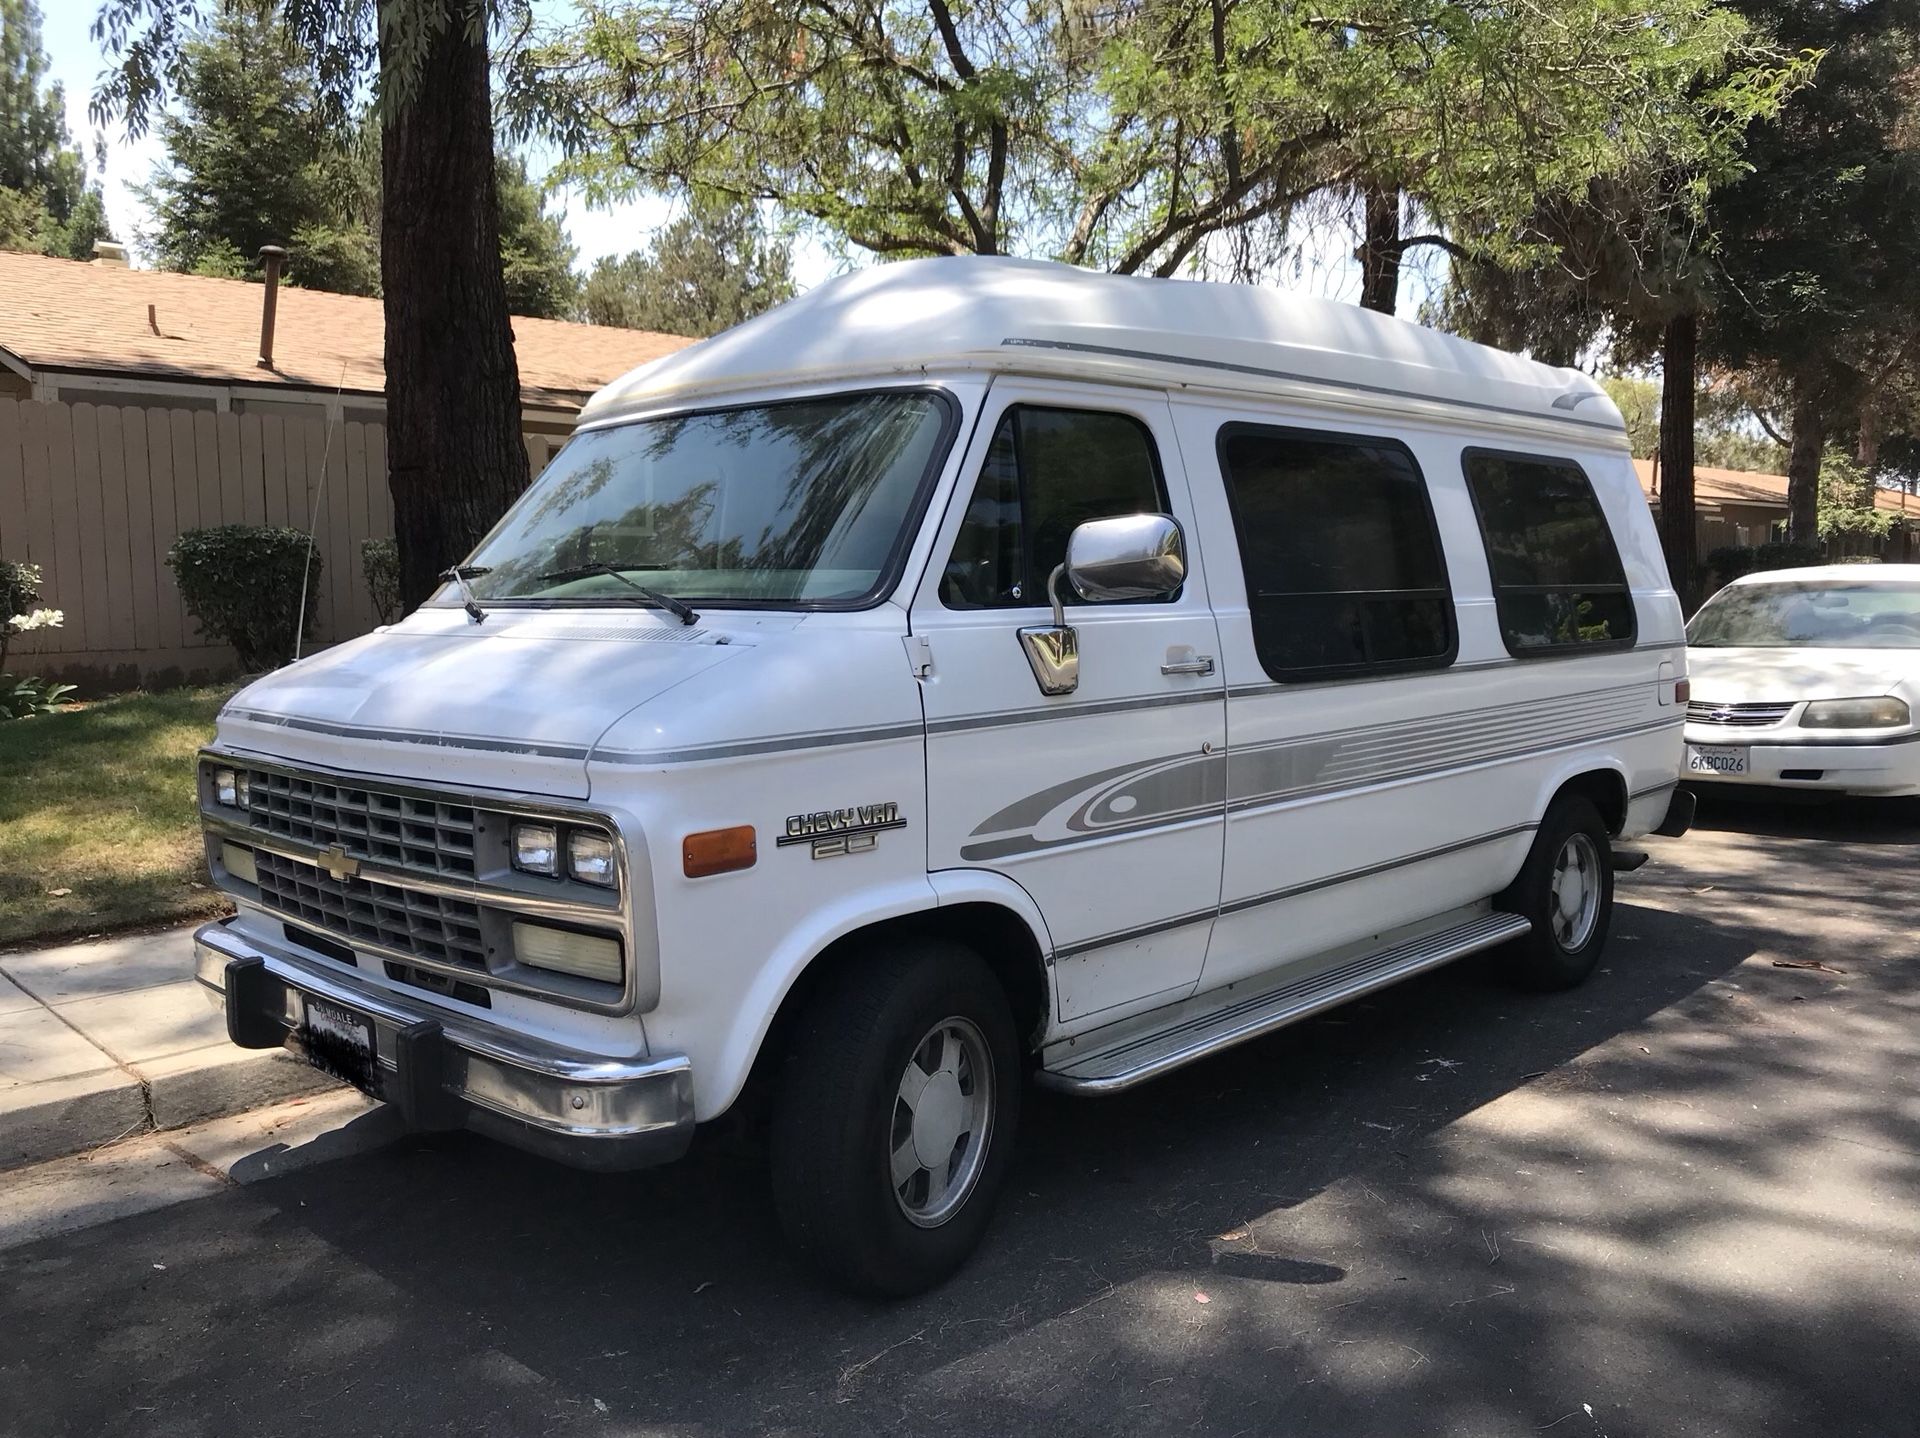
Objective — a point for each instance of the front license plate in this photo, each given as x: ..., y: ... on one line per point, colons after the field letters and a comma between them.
x: 1721, y: 759
x: 340, y: 1042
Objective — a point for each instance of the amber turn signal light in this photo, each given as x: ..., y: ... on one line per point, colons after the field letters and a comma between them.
x: 718, y: 851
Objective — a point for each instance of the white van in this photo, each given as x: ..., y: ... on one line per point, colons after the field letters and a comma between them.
x: 973, y: 669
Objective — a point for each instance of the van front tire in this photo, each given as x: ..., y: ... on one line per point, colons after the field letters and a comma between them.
x: 895, y: 1117
x: 1566, y: 889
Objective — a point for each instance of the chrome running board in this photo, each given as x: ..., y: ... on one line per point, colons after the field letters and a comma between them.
x: 1134, y: 1057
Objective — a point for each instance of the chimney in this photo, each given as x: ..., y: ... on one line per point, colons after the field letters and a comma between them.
x: 106, y: 252
x: 270, y: 256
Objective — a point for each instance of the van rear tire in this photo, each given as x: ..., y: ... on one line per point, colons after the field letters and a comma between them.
x: 895, y: 1117
x: 1566, y: 889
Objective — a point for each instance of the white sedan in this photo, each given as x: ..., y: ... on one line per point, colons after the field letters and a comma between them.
x: 1808, y: 679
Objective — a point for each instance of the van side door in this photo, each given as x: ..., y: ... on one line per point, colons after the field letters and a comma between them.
x: 1347, y: 815
x: 1106, y: 804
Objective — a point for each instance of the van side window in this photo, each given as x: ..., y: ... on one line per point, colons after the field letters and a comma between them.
x: 1557, y: 578
x: 1344, y: 570
x: 1047, y: 472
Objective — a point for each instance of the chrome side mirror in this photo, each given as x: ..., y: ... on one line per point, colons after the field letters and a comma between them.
x: 1137, y: 556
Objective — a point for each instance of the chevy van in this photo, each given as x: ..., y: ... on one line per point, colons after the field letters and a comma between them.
x: 971, y: 672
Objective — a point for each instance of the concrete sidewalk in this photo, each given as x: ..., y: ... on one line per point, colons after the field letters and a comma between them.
x: 101, y: 1040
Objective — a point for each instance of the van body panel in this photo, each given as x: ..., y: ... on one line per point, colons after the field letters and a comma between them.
x: 1106, y: 804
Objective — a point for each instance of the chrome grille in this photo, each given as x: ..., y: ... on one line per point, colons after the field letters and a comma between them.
x: 426, y: 925
x: 1737, y: 716
x: 398, y: 829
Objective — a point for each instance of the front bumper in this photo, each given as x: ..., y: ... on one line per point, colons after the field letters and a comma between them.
x: 1866, y: 766
x: 447, y: 1072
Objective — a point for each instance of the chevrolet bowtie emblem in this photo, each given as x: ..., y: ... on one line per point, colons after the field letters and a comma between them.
x: 339, y: 863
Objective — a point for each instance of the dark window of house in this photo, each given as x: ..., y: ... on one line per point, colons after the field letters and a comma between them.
x: 1557, y: 578
x: 1047, y: 472
x: 1343, y: 564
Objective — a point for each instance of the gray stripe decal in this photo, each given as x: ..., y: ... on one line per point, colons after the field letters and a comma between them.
x: 1258, y: 801
x: 782, y: 744
x: 1313, y: 885
x: 1656, y: 789
x: 1000, y: 720
x: 414, y: 736
x: 825, y: 739
x: 1128, y: 936
x: 1255, y: 691
x: 1147, y: 931
x: 1181, y: 789
x: 1322, y: 381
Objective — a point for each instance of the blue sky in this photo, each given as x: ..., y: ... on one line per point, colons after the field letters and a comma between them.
x: 1322, y: 264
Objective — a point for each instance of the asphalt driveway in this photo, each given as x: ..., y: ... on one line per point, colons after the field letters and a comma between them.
x: 1679, y: 1201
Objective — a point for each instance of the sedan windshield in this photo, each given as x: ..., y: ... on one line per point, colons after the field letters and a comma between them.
x: 803, y: 503
x: 1832, y: 615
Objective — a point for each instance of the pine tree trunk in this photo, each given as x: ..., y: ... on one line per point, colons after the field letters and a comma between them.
x: 1803, y: 463
x: 1679, y: 526
x: 1872, y: 423
x: 1381, y: 253
x: 455, y: 455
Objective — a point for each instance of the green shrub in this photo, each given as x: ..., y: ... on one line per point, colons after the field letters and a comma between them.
x: 380, y: 562
x: 24, y: 698
x: 241, y: 582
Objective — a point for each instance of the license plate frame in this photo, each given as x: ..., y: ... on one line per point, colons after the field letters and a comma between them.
x: 1721, y: 761
x: 338, y: 1041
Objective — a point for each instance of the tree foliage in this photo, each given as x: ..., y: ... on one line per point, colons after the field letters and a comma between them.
x: 1126, y: 135
x: 252, y: 160
x: 257, y: 155
x: 46, y: 204
x: 1820, y: 241
x: 455, y: 457
x: 707, y: 270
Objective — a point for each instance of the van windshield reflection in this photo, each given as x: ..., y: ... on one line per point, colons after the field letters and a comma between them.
x: 800, y: 503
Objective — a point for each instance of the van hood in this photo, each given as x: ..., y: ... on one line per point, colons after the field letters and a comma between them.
x: 515, y: 702
x: 1775, y: 676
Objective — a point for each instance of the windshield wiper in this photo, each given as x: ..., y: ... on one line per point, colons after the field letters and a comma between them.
x: 460, y: 574
x: 678, y: 608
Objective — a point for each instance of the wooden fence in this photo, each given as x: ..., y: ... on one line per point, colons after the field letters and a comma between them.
x: 95, y: 495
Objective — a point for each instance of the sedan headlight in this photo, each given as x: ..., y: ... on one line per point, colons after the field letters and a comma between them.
x: 1882, y: 713
x: 536, y: 849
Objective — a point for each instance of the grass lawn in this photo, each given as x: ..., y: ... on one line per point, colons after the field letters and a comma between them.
x: 98, y: 824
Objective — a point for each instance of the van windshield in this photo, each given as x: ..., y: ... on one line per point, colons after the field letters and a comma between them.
x: 1809, y: 616
x: 801, y: 503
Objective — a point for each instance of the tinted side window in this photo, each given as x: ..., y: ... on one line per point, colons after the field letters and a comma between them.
x: 1047, y: 472
x: 1557, y: 577
x: 1343, y: 563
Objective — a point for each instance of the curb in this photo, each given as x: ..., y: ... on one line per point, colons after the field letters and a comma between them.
x: 73, y: 1115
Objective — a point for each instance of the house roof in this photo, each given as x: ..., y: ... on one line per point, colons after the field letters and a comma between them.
x: 1739, y: 486
x: 994, y: 313
x: 73, y: 316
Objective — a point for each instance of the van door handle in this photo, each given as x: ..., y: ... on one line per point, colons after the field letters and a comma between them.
x: 1201, y: 665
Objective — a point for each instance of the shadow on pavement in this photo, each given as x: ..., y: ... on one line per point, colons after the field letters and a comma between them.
x: 1682, y: 1195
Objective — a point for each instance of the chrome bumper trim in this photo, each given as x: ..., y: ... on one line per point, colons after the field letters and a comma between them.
x: 448, y: 1071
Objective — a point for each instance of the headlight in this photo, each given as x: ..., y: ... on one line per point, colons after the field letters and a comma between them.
x: 589, y: 956
x: 230, y: 788
x: 536, y: 849
x: 1883, y: 713
x: 590, y: 858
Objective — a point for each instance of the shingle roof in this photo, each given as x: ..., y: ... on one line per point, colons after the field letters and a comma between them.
x: 66, y: 314
x: 1739, y: 486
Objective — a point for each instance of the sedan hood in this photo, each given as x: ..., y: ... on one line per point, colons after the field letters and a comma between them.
x: 516, y: 702
x: 1776, y: 676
